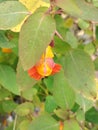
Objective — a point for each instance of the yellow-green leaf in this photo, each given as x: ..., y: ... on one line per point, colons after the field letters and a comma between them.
x: 71, y: 124
x: 63, y: 93
x: 79, y: 8
x: 8, y: 79
x: 79, y: 70
x: 11, y: 14
x: 23, y: 79
x: 35, y: 35
x: 44, y: 122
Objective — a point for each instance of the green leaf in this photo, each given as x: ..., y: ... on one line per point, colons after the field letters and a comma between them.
x: 4, y: 42
x: 71, y: 39
x: 24, y: 125
x: 11, y: 14
x: 61, y: 47
x: 96, y: 32
x: 66, y: 4
x: 79, y: 70
x: 80, y: 115
x: 44, y: 122
x: 84, y: 103
x: 83, y: 24
x: 29, y: 93
x: 79, y: 8
x: 95, y: 2
x: 8, y: 79
x: 71, y: 125
x: 50, y: 104
x: 96, y: 63
x: 61, y: 113
x: 23, y: 79
x: 24, y: 109
x: 35, y: 35
x: 8, y: 106
x: 49, y: 83
x: 60, y: 26
x: 89, y: 48
x: 63, y: 93
x: 92, y: 115
x: 4, y: 93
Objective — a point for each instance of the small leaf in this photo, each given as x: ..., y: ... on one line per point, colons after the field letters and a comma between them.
x: 61, y: 47
x: 29, y: 93
x: 44, y: 122
x: 8, y: 106
x: 71, y: 39
x: 60, y: 26
x: 92, y: 115
x: 50, y: 104
x: 61, y: 113
x: 35, y: 35
x: 83, y: 24
x: 79, y: 70
x: 4, y: 42
x: 84, y: 103
x: 71, y: 125
x: 11, y: 14
x: 4, y: 93
x: 24, y: 109
x: 49, y: 83
x: 24, y: 125
x: 63, y: 93
x: 8, y: 79
x: 89, y: 48
x: 80, y: 115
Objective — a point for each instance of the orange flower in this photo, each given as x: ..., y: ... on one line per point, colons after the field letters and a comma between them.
x: 6, y: 50
x: 45, y: 67
x: 61, y: 125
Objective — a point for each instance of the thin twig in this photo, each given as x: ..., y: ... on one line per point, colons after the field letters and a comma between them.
x: 57, y: 33
x: 94, y: 30
x: 14, y: 126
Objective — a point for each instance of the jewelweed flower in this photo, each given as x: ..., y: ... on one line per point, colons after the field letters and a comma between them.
x: 45, y: 67
x: 6, y: 50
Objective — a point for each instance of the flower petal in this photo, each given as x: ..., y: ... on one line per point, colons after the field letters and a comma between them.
x: 50, y: 62
x: 6, y: 50
x: 61, y: 125
x: 44, y: 69
x: 56, y: 68
x: 34, y: 74
x: 48, y: 53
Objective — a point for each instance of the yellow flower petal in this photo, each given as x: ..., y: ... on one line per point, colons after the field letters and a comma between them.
x: 48, y: 53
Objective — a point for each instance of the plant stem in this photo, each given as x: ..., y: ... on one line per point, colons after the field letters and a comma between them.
x: 14, y: 126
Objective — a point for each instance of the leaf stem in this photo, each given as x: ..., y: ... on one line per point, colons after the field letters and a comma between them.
x: 14, y: 126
